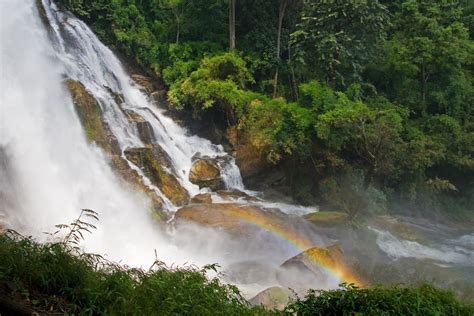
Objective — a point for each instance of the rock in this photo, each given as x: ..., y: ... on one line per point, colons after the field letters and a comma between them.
x: 160, y: 97
x: 327, y: 218
x: 147, y: 159
x: 121, y: 166
x: 397, y: 227
x: 273, y: 298
x: 206, y: 173
x: 144, y: 128
x: 146, y: 83
x: 236, y: 195
x: 42, y: 14
x: 234, y: 218
x: 99, y: 132
x: 90, y: 115
x: 202, y: 198
x: 248, y: 157
x: 314, y: 261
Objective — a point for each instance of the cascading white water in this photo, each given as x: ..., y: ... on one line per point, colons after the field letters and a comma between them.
x: 87, y: 60
x: 456, y: 252
x: 54, y: 172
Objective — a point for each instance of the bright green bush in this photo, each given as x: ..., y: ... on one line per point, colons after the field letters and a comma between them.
x: 54, y: 276
x: 350, y: 300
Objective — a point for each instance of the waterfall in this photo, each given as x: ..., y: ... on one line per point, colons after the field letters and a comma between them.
x: 52, y: 170
x: 87, y: 60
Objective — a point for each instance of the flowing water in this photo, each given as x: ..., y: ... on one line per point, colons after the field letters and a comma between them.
x: 49, y: 171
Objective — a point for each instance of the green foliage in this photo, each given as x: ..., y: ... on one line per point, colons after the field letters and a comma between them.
x: 339, y: 38
x: 280, y: 128
x: 428, y: 57
x: 217, y: 83
x: 380, y: 87
x: 350, y: 300
x: 81, y: 283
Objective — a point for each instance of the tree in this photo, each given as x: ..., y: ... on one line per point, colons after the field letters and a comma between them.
x: 339, y: 37
x: 282, y: 6
x: 426, y: 60
x: 232, y: 25
x: 176, y: 7
x: 371, y: 134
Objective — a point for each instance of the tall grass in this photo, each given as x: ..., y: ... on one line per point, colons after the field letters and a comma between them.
x: 53, y: 278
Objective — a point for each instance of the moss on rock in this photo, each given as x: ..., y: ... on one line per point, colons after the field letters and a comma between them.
x: 146, y: 159
x: 90, y: 115
x: 327, y: 218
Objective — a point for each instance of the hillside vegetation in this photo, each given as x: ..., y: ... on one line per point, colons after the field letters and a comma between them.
x: 362, y: 105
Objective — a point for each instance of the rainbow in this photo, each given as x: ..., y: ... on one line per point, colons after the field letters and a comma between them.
x: 331, y: 261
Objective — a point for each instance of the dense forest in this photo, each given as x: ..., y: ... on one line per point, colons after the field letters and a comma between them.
x: 360, y: 105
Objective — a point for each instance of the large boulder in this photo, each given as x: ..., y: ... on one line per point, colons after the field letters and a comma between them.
x: 206, y: 173
x: 273, y: 298
x: 315, y: 263
x: 148, y: 160
x: 231, y: 216
x: 250, y: 159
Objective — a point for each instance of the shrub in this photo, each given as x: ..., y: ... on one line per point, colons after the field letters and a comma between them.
x: 350, y: 300
x: 54, y: 277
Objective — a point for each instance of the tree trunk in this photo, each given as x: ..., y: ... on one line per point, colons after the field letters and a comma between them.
x: 178, y: 24
x: 424, y: 88
x: 232, y: 24
x: 368, y: 178
x: 294, y: 85
x: 281, y: 15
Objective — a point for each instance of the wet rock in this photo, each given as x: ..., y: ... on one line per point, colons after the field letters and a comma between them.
x: 273, y: 298
x: 160, y: 97
x: 90, y: 115
x: 42, y: 14
x: 148, y: 160
x: 206, y: 173
x: 236, y: 195
x: 397, y: 227
x: 99, y: 132
x: 327, y: 218
x: 131, y: 176
x: 144, y: 128
x: 312, y: 266
x: 234, y: 218
x: 248, y: 157
x: 146, y: 83
x: 202, y: 198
